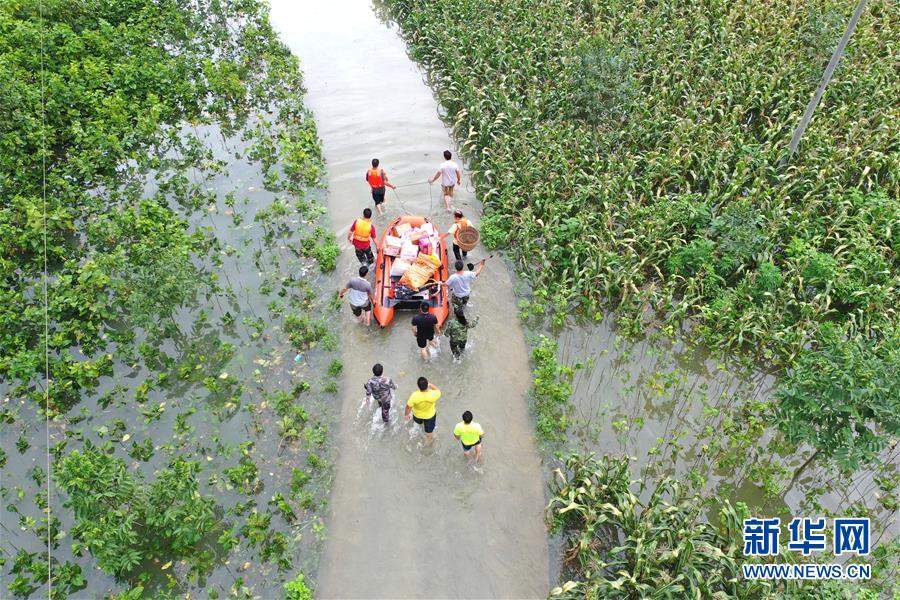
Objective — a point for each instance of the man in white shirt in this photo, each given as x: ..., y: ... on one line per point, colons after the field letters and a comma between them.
x: 460, y: 284
x: 450, y: 176
x: 361, y: 300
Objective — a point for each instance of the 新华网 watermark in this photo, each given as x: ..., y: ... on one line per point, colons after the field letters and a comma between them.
x: 850, y: 536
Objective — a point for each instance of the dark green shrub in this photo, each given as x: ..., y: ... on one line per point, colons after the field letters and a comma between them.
x: 842, y: 397
x: 121, y: 520
x: 303, y: 330
x: 693, y: 258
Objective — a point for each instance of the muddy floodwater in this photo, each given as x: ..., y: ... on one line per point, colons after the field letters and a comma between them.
x: 205, y: 393
x: 667, y: 407
x: 406, y: 521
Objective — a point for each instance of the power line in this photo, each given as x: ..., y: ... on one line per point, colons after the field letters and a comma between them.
x: 46, y: 304
x: 826, y: 77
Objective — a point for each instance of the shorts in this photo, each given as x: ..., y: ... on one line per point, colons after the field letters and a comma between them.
x: 428, y: 424
x: 364, y: 255
x: 448, y: 190
x: 358, y: 310
x: 378, y: 195
x: 456, y: 347
x: 422, y: 340
x: 467, y: 448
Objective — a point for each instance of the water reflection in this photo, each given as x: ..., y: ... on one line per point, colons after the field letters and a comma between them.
x: 677, y: 412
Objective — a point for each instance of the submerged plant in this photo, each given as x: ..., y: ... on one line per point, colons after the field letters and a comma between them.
x: 628, y: 156
x: 552, y: 390
x: 628, y: 548
x: 620, y: 545
x: 121, y: 520
x: 296, y: 589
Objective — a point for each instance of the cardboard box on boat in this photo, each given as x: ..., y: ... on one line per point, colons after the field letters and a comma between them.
x: 399, y: 267
x: 392, y: 245
x: 402, y: 229
x: 409, y: 250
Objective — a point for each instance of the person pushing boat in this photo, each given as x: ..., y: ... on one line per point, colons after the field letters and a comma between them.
x: 457, y: 331
x: 378, y: 181
x: 460, y: 283
x: 361, y: 300
x: 425, y: 329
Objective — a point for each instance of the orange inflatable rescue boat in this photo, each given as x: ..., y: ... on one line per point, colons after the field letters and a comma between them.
x: 405, y: 276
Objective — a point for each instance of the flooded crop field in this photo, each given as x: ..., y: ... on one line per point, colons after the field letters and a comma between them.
x: 209, y: 385
x: 181, y: 445
x: 677, y: 411
x: 680, y: 327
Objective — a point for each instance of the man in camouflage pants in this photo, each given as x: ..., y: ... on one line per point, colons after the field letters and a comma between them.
x: 380, y: 387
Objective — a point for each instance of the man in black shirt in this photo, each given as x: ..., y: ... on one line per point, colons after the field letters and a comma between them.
x: 425, y: 329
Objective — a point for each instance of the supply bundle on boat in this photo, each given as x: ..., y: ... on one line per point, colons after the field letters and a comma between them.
x: 412, y: 260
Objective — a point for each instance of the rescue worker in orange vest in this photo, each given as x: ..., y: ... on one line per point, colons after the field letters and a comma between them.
x: 378, y: 180
x: 362, y: 235
x: 459, y: 223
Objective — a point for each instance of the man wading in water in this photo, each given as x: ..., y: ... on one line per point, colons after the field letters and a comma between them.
x: 378, y: 180
x: 459, y: 224
x: 450, y: 177
x: 469, y: 435
x: 362, y: 235
x: 425, y: 329
x: 420, y: 407
x: 458, y: 332
x: 381, y: 388
x: 360, y: 296
x: 460, y: 284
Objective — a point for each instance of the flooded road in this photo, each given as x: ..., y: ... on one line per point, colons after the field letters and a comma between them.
x: 406, y: 521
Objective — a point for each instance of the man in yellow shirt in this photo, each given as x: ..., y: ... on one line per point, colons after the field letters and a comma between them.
x: 469, y: 435
x: 420, y: 407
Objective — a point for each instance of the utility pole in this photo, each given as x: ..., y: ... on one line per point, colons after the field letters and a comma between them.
x: 826, y: 77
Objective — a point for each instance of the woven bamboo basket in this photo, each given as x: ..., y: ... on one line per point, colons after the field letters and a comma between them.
x: 468, y: 238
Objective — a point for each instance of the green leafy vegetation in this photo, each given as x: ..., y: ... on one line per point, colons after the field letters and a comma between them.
x: 628, y: 157
x: 117, y: 79
x: 629, y: 548
x: 839, y: 399
x: 304, y: 330
x: 31, y: 570
x: 168, y: 289
x: 296, y: 589
x: 551, y: 392
x: 122, y: 521
x: 620, y: 546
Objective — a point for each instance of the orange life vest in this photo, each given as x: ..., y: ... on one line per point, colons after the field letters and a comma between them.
x: 362, y: 230
x: 375, y: 178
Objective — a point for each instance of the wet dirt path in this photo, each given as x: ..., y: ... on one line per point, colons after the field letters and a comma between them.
x: 405, y: 521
